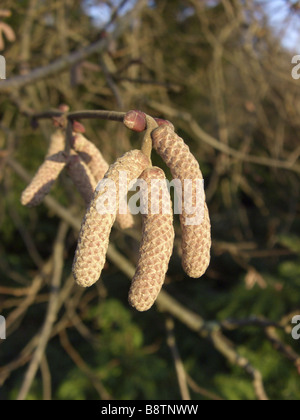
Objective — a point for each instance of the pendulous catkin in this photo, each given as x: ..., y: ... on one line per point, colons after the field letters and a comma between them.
x: 57, y: 143
x: 95, y: 161
x: 81, y: 176
x: 196, y: 239
x: 95, y: 230
x: 91, y: 155
x: 47, y: 173
x: 157, y: 241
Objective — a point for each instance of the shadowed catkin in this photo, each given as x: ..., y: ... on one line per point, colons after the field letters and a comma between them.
x: 48, y: 172
x: 94, y: 235
x: 157, y: 241
x: 196, y: 239
x: 81, y: 176
x: 57, y: 143
x: 95, y: 161
x: 91, y: 155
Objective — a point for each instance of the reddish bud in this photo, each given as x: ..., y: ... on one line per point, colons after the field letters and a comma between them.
x: 135, y: 120
x: 78, y: 127
x: 164, y: 122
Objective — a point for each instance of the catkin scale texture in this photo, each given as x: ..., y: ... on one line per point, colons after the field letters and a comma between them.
x: 57, y: 143
x: 157, y: 243
x: 94, y: 235
x: 196, y: 239
x: 81, y: 176
x: 47, y: 173
x: 95, y: 161
x: 91, y: 155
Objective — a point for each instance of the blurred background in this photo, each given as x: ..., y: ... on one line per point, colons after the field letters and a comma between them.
x: 221, y: 71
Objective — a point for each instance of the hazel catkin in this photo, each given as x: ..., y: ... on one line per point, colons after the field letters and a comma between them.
x: 157, y: 241
x: 81, y: 176
x: 196, y: 238
x: 47, y: 173
x: 94, y: 235
x: 91, y: 155
x: 95, y: 161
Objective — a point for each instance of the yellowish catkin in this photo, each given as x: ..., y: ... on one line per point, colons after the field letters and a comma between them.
x: 94, y: 235
x: 196, y: 239
x: 157, y: 242
x: 91, y: 155
x: 81, y: 176
x: 48, y: 172
x: 94, y: 159
x: 57, y: 143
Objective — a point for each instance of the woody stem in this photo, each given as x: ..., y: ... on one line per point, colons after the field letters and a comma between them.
x: 147, y: 140
x: 100, y: 114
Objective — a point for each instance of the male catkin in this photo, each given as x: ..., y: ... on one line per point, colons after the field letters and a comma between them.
x: 95, y: 230
x: 97, y: 164
x: 81, y: 176
x: 47, y: 173
x: 157, y: 240
x: 91, y: 155
x: 196, y: 239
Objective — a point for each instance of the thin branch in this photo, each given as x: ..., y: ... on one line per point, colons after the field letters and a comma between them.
x: 199, y: 390
x: 280, y: 346
x: 181, y: 374
x: 66, y: 61
x: 80, y: 363
x: 77, y: 115
x: 51, y: 312
x: 46, y: 378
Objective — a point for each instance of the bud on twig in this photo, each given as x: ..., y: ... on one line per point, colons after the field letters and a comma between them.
x: 136, y: 121
x: 157, y: 242
x: 196, y: 239
x: 78, y: 127
x: 95, y: 230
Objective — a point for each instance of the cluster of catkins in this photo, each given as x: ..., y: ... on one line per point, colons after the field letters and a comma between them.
x: 86, y: 166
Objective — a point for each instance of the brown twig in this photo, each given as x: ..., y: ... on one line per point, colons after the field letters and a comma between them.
x: 180, y: 370
x: 51, y: 313
x: 147, y: 140
x: 80, y: 363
